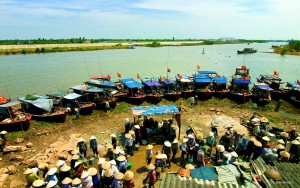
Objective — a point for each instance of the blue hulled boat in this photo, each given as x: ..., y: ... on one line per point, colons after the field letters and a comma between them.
x: 261, y: 94
x: 134, y: 89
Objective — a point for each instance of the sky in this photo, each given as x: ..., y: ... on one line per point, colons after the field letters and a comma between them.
x: 150, y: 19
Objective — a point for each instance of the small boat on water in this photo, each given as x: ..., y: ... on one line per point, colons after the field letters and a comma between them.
x: 134, y: 89
x: 261, y: 94
x: 152, y: 89
x: 274, y: 82
x: 115, y: 88
x: 247, y: 51
x: 13, y: 120
x: 99, y: 96
x: 293, y: 93
x: 202, y: 84
x: 41, y: 108
x: 185, y: 84
x: 170, y: 89
x: 239, y: 85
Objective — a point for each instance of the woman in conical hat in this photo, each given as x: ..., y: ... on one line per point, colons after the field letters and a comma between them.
x: 30, y: 176
x: 295, y: 151
x: 51, y: 175
x: 284, y: 156
x: 257, y: 150
x: 117, y: 182
x: 66, y: 183
x: 52, y: 184
x: 108, y: 177
x: 86, y: 179
x: 114, y: 140
x: 64, y: 172
x: 128, y: 179
x: 76, y: 183
x: 38, y: 183
x: 94, y: 173
x: 94, y: 145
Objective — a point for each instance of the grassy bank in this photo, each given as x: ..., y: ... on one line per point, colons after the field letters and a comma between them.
x: 292, y: 48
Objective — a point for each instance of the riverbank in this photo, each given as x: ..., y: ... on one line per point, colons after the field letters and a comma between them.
x: 49, y: 139
x: 50, y: 48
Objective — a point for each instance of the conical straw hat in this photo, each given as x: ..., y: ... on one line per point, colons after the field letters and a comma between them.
x: 137, y: 126
x: 121, y: 158
x: 150, y: 166
x: 127, y: 135
x: 175, y: 141
x: 75, y: 151
x: 200, y: 136
x: 65, y: 168
x: 84, y: 174
x: 220, y: 148
x: 284, y: 134
x: 76, y: 181
x: 109, y: 146
x: 189, y: 166
x: 108, y: 172
x: 119, y: 176
x: 233, y: 154
x: 28, y: 171
x: 264, y: 120
x: 113, y: 135
x: 210, y: 134
x: 158, y: 156
x: 93, y: 171
x: 92, y: 137
x: 38, y: 183
x: 76, y: 164
x: 67, y: 180
x: 3, y: 132
x: 295, y: 142
x: 52, y: 171
x: 266, y: 138
x: 279, y: 146
x: 101, y: 160
x: 167, y: 144
x: 116, y: 151
x: 131, y: 132
x: 280, y: 141
x: 51, y: 184
x: 149, y: 146
x: 75, y: 157
x: 257, y: 143
x: 252, y: 139
x: 164, y: 157
x: 285, y: 154
x: 106, y: 165
x: 60, y: 163
x: 80, y: 140
x: 128, y: 175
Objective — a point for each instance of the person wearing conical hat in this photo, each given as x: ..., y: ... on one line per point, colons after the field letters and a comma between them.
x: 137, y: 134
x: 234, y: 157
x: 66, y: 183
x: 127, y: 125
x: 114, y: 140
x: 64, y: 172
x: 86, y: 180
x: 38, y: 183
x: 236, y: 138
x: 200, y: 157
x: 241, y: 148
x: 129, y: 144
x: 52, y: 184
x: 295, y: 151
x: 108, y: 177
x: 284, y: 156
x: 149, y: 153
x: 118, y: 181
x: 199, y: 140
x: 122, y: 163
x: 190, y: 146
x: 59, y: 164
x: 273, y: 155
x: 249, y: 149
x: 183, y: 148
x: 151, y: 176
x: 51, y: 175
x: 226, y: 158
x: 116, y: 153
x: 114, y: 166
x: 293, y: 134
x: 128, y: 179
x: 94, y: 174
x: 210, y: 140
x: 78, y: 169
x: 167, y: 150
x: 220, y: 149
x: 133, y: 139
x: 225, y: 141
x: 74, y: 159
x: 30, y: 176
x: 257, y: 150
x: 82, y: 147
x: 94, y: 145
x: 284, y: 136
x: 158, y: 160
x: 174, y: 148
x: 265, y: 153
x: 76, y: 183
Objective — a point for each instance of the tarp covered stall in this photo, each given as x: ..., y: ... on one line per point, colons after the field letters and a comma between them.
x: 3, y: 107
x: 205, y: 173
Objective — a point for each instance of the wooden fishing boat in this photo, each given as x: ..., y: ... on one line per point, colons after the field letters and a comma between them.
x: 219, y: 86
x: 275, y: 83
x: 135, y: 91
x: 152, y: 89
x: 115, y: 88
x: 293, y: 93
x: 203, y: 84
x: 186, y: 85
x: 239, y: 85
x: 247, y: 51
x: 170, y: 89
x: 99, y: 96
x: 13, y: 120
x: 102, y: 77
x: 41, y: 108
x: 74, y: 100
x: 261, y: 94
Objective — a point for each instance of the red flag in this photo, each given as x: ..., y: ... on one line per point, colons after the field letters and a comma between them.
x: 119, y: 75
x: 217, y: 75
x: 244, y: 67
x: 108, y: 77
x: 168, y: 70
x: 2, y: 99
x: 160, y: 78
x: 179, y: 75
x: 298, y: 82
x: 138, y: 76
x: 198, y: 67
x: 276, y: 73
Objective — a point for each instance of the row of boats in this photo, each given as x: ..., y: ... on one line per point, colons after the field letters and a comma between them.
x: 100, y: 92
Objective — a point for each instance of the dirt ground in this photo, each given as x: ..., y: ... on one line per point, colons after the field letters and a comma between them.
x: 63, y: 137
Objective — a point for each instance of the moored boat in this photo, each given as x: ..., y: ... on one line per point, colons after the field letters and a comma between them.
x: 170, y: 89
x: 72, y: 100
x: 13, y: 120
x: 41, y: 108
x: 239, y: 85
x: 219, y: 86
x: 274, y: 82
x: 261, y: 94
x: 152, y: 89
x: 185, y: 84
x: 135, y: 91
x: 293, y: 93
x: 247, y: 51
x: 202, y: 84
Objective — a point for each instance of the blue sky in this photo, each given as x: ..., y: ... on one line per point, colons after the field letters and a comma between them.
x: 133, y: 19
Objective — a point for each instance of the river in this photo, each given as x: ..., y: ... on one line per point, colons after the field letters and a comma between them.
x: 44, y: 73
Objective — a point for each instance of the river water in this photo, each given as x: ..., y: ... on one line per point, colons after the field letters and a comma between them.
x: 44, y: 73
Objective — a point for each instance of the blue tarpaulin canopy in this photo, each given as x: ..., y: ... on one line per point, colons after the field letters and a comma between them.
x: 169, y: 82
x: 204, y: 173
x: 45, y: 104
x: 57, y: 93
x: 101, y: 83
x: 155, y: 110
x: 264, y: 87
x: 131, y: 83
x: 150, y: 82
x: 201, y: 78
x: 89, y: 89
x: 207, y: 72
x: 3, y: 107
x: 220, y: 80
x: 72, y: 96
x: 294, y: 84
x: 241, y: 81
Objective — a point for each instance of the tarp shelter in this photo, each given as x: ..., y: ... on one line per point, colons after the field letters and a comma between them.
x: 204, y: 173
x: 241, y: 81
x: 169, y: 82
x: 57, y: 93
x: 72, y: 96
x: 220, y: 80
x: 3, y: 107
x: 158, y: 110
x: 131, y: 83
x: 42, y: 103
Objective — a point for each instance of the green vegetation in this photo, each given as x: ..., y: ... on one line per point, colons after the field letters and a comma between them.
x: 31, y: 97
x: 154, y: 44
x: 292, y: 46
x: 122, y: 107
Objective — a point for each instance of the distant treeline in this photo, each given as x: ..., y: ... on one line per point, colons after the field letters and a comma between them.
x: 290, y: 48
x: 84, y: 40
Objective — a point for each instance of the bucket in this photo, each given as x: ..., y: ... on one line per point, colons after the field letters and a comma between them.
x: 129, y: 165
x: 91, y: 160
